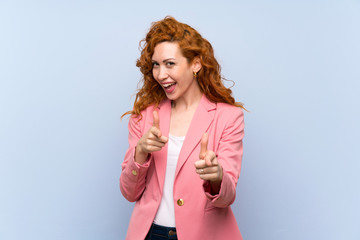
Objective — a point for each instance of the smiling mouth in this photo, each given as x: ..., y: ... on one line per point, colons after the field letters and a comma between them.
x: 167, y: 86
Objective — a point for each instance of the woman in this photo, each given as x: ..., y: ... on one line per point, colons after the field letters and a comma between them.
x: 185, y: 141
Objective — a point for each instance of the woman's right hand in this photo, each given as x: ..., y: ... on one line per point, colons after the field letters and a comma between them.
x: 151, y: 141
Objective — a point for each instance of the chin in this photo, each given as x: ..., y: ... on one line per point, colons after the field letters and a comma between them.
x: 171, y: 96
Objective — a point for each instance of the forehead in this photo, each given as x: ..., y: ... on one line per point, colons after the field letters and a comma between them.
x: 166, y: 50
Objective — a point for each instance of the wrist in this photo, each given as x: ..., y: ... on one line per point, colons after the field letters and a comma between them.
x: 140, y: 156
x: 139, y: 150
x: 215, y: 185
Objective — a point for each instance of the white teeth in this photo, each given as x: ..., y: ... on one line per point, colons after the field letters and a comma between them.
x: 168, y: 85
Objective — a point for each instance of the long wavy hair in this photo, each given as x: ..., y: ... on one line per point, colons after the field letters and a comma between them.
x: 192, y: 45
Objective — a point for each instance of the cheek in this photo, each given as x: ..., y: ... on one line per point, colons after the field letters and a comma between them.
x: 188, y: 77
x: 154, y: 73
x: 183, y: 76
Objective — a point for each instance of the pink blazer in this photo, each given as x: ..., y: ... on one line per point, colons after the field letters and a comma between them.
x: 198, y: 214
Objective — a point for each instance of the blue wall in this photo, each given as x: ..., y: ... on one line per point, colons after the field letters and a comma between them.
x: 67, y: 73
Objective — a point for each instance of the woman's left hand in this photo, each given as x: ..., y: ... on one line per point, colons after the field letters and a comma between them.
x: 208, y: 166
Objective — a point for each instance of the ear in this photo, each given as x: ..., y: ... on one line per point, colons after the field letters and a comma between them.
x: 196, y: 64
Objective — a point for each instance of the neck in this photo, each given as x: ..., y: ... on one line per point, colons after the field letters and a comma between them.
x: 185, y: 103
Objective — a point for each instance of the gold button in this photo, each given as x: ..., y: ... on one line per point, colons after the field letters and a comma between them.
x: 180, y: 202
x: 172, y: 233
x: 134, y: 172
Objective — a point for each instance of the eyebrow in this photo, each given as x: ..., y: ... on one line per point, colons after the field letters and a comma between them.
x: 164, y: 60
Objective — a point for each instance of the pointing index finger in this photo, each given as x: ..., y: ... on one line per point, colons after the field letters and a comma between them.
x: 203, y: 146
x: 156, y: 120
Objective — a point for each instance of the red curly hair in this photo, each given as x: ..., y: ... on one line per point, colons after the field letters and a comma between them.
x: 192, y: 45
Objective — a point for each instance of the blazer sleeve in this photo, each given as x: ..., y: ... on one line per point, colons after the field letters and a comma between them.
x: 133, y: 176
x: 229, y: 154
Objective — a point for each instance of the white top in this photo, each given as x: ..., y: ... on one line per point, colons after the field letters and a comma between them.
x: 165, y: 215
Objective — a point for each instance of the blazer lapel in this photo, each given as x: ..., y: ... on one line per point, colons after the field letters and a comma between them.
x: 200, y: 123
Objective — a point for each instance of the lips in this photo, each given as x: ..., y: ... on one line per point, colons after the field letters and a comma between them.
x: 169, y: 87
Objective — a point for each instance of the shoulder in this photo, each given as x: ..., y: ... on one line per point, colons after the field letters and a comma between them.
x: 226, y: 110
x: 147, y: 113
x: 229, y: 117
x: 144, y: 115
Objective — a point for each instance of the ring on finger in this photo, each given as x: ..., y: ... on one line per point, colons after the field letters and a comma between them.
x: 202, y: 171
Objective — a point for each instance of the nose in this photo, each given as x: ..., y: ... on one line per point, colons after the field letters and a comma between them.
x: 162, y: 74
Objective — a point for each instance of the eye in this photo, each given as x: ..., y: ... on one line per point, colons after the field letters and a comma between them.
x: 170, y: 64
x: 154, y: 64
